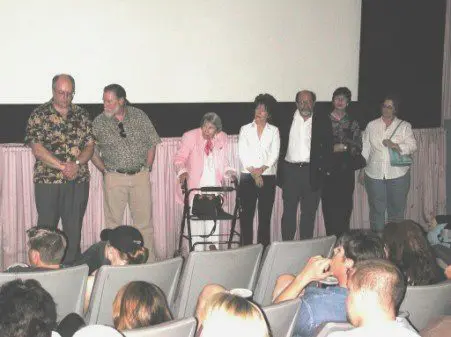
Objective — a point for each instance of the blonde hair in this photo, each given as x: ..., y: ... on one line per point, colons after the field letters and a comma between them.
x: 140, y: 304
x: 231, y: 315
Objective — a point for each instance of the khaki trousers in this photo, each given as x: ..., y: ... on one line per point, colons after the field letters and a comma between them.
x: 135, y: 190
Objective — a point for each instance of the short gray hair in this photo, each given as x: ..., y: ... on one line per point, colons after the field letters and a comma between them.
x: 212, y: 118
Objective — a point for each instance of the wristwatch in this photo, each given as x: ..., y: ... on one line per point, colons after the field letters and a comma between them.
x: 77, y: 162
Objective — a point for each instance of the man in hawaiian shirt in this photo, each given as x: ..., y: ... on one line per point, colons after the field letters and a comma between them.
x: 60, y: 136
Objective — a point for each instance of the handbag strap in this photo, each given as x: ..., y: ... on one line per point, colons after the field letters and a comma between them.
x: 396, y: 129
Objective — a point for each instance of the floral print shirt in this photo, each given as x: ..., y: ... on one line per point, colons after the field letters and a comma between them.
x: 65, y: 138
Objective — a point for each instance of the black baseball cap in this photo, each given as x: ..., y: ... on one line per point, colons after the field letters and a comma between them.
x: 124, y: 238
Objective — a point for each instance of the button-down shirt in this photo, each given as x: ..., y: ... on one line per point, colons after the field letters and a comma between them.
x: 129, y: 152
x: 300, y: 139
x: 65, y: 138
x: 376, y: 154
x: 257, y: 152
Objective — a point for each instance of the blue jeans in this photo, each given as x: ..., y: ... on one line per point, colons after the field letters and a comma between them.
x: 387, y: 195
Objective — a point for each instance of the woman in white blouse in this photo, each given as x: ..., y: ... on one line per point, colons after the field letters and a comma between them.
x: 258, y: 147
x: 386, y: 185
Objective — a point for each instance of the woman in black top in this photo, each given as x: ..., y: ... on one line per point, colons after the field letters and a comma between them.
x: 339, y: 180
x: 119, y: 246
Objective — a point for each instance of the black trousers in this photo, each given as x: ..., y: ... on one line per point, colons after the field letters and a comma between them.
x: 296, y: 188
x: 249, y: 194
x: 337, y: 201
x: 67, y: 201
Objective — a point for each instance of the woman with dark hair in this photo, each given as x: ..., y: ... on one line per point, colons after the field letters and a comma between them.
x: 339, y: 181
x: 409, y: 249
x: 140, y: 304
x: 258, y: 148
x: 387, y: 186
x: 120, y: 246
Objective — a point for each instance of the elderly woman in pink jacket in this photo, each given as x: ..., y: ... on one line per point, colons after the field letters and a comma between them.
x: 202, y: 160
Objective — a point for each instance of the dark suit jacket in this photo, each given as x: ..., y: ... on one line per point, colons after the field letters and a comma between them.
x: 320, y: 151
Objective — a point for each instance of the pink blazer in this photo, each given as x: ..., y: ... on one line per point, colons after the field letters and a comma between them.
x: 190, y: 158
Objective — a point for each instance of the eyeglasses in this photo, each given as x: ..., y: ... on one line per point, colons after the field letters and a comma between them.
x: 122, y: 133
x: 65, y: 93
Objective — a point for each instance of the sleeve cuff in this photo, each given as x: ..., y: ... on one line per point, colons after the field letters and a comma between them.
x: 179, y: 173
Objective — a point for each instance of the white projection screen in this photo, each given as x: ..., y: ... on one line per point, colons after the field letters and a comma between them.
x: 169, y: 51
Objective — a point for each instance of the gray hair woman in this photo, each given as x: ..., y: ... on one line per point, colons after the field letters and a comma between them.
x: 202, y: 160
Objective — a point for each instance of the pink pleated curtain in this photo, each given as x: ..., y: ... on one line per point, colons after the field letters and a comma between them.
x: 18, y: 212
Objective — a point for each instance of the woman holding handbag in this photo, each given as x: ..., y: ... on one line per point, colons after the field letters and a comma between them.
x: 387, y: 175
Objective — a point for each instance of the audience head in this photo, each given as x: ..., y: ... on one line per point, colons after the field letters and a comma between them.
x: 341, y: 98
x: 264, y: 107
x: 125, y: 246
x: 390, y: 106
x: 140, y: 304
x: 231, y: 315
x: 26, y: 310
x: 305, y: 102
x: 352, y: 247
x: 410, y: 250
x: 46, y: 247
x: 210, y: 125
x: 376, y: 290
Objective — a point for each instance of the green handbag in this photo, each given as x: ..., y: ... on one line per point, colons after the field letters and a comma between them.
x: 397, y: 159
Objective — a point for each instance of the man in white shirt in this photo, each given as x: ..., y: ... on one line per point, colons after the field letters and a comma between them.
x: 294, y: 169
x: 376, y: 289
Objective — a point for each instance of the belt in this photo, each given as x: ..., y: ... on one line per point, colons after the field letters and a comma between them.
x: 300, y: 164
x: 127, y: 172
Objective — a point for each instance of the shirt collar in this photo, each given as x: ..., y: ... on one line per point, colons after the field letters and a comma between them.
x: 253, y: 124
x: 297, y: 114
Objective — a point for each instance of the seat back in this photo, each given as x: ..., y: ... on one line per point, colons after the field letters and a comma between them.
x: 109, y: 279
x: 67, y: 286
x: 326, y: 328
x: 234, y: 268
x: 179, y: 328
x: 282, y: 317
x: 288, y: 257
x: 440, y: 327
x: 426, y: 303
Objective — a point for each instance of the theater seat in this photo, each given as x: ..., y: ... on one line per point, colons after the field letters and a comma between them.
x: 179, y: 328
x: 288, y: 257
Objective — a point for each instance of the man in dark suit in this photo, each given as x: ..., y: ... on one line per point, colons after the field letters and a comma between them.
x: 305, y: 145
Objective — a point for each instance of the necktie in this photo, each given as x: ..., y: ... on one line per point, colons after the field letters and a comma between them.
x: 208, y: 147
